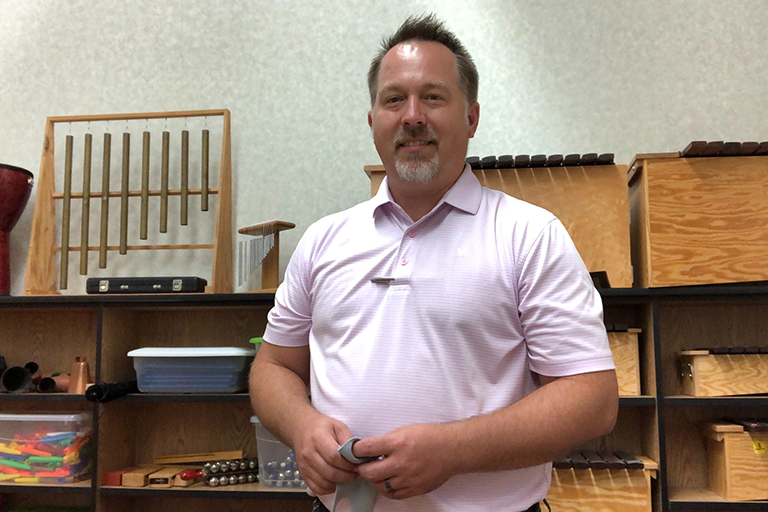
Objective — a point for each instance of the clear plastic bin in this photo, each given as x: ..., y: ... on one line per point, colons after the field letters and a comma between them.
x: 45, y: 448
x: 277, y: 462
x: 192, y: 370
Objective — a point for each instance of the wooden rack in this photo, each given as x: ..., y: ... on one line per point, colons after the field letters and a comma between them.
x: 41, y: 266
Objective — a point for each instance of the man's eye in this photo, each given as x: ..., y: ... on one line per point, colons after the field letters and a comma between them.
x: 433, y: 97
x: 393, y: 99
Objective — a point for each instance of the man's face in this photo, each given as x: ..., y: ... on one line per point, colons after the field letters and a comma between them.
x: 420, y: 121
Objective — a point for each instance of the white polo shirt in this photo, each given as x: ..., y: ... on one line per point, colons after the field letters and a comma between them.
x: 439, y: 320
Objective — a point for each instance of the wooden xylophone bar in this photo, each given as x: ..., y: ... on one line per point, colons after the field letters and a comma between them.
x: 589, y: 459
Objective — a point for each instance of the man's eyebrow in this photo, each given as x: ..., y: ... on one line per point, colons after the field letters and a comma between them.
x: 439, y: 84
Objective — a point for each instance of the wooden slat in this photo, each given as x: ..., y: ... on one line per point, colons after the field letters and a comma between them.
x: 40, y: 275
x: 222, y: 272
x: 144, y: 247
x: 134, y: 116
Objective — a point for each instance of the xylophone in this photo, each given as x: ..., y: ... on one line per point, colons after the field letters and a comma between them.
x: 523, y: 161
x: 590, y: 459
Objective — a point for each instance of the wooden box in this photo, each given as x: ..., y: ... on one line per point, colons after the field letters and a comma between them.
x: 705, y: 374
x: 737, y: 462
x: 624, y: 348
x: 602, y: 490
x: 591, y: 201
x: 698, y: 220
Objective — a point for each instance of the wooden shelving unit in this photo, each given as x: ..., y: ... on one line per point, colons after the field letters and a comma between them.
x: 54, y: 330
x: 661, y: 423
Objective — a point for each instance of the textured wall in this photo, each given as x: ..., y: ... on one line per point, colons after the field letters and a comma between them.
x: 556, y: 77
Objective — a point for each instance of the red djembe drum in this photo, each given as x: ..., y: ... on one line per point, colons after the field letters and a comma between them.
x: 15, y: 187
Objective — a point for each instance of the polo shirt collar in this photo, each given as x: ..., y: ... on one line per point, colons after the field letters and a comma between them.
x: 465, y: 194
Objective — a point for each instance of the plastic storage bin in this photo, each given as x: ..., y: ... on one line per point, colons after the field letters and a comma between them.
x: 192, y: 370
x: 277, y: 462
x: 45, y: 448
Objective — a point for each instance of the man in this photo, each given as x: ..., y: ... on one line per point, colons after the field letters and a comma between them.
x: 451, y: 327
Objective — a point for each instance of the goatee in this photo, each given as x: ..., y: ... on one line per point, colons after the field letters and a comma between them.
x: 415, y: 168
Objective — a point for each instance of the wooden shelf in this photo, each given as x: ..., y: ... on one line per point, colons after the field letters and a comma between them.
x: 704, y: 499
x: 187, y: 397
x: 637, y: 401
x: 720, y: 401
x: 83, y: 487
x: 240, y: 491
x: 43, y: 397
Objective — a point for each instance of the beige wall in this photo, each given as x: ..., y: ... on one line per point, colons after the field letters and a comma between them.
x: 556, y: 77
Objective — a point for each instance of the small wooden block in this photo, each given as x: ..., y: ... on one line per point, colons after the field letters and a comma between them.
x: 164, y: 477
x: 488, y: 162
x: 605, y: 159
x: 748, y: 148
x: 613, y: 461
x: 571, y: 160
x: 731, y: 149
x: 594, y: 459
x: 505, y: 162
x: 713, y: 148
x: 578, y: 461
x: 762, y: 149
x: 473, y: 161
x: 554, y: 160
x: 138, y: 477
x: 693, y: 149
x: 114, y: 478
x: 629, y: 459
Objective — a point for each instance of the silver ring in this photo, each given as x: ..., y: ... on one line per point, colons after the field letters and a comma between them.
x: 388, y: 485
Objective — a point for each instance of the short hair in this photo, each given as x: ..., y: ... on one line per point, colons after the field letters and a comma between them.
x: 428, y: 28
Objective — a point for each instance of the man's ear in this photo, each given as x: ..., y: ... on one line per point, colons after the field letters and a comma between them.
x: 370, y: 119
x: 473, y: 118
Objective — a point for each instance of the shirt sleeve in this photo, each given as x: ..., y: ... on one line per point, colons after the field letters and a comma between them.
x: 290, y: 319
x: 560, y: 310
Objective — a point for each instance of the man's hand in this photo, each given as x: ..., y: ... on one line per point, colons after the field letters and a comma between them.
x: 417, y: 459
x: 316, y: 447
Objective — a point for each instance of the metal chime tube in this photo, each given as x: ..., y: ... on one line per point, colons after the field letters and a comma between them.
x: 164, y: 183
x: 204, y: 174
x: 84, y: 220
x: 124, y: 186
x: 144, y: 186
x: 184, y: 177
x: 65, y: 214
x: 103, y: 228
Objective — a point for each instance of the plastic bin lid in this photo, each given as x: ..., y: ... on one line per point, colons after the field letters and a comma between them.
x: 192, y: 352
x: 45, y: 417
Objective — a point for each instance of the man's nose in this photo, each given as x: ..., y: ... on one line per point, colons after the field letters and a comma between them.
x: 414, y: 112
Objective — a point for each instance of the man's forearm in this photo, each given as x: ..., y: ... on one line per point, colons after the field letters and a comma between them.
x: 279, y: 398
x: 547, y: 423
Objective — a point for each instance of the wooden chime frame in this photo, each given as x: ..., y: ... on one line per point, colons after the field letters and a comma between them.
x: 41, y: 269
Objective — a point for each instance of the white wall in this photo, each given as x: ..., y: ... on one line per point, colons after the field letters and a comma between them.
x: 556, y: 77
